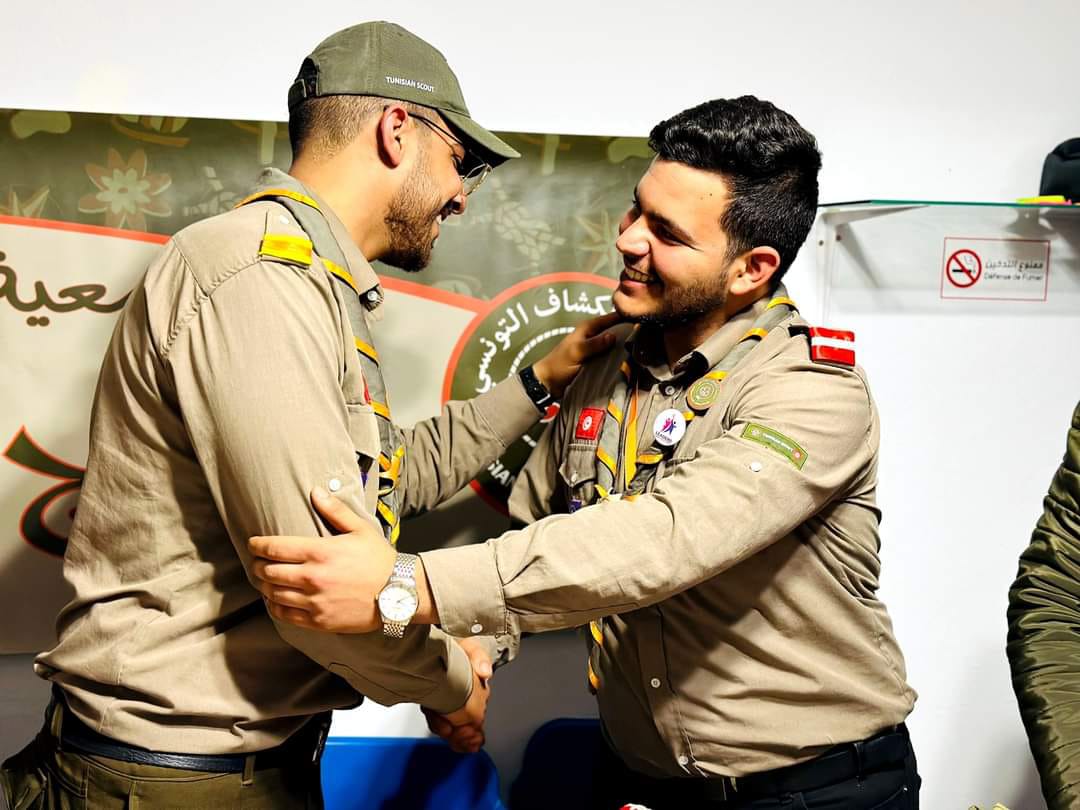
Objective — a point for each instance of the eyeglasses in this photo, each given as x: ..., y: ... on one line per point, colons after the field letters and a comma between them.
x: 470, y: 178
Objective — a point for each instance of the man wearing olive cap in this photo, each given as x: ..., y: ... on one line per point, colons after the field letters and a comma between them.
x: 242, y: 374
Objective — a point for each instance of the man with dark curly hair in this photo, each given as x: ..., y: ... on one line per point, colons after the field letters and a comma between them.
x: 705, y: 502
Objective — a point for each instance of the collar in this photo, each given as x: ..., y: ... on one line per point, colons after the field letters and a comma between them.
x: 646, y: 345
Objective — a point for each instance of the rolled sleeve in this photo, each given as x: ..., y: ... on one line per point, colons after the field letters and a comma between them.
x: 468, y: 590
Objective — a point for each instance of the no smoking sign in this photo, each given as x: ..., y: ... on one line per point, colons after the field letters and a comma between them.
x: 995, y: 269
x: 963, y: 268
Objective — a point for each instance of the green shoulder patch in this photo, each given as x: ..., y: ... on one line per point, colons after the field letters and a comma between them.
x: 777, y: 442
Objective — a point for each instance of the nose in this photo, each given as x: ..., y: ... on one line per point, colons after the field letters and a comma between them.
x: 459, y: 202
x: 632, y: 241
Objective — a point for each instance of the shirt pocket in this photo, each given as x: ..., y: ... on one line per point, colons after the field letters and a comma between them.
x: 364, y: 434
x: 577, y: 472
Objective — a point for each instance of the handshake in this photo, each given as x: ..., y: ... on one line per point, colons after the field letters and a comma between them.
x: 332, y: 585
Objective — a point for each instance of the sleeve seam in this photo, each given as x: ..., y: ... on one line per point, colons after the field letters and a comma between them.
x: 204, y: 295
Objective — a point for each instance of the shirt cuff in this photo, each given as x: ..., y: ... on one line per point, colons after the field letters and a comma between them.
x: 457, y: 688
x: 467, y: 589
x: 507, y: 410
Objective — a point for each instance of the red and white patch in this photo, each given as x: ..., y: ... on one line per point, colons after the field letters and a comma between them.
x: 589, y: 422
x: 832, y: 346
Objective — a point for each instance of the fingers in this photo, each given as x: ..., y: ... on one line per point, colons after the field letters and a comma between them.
x: 301, y: 618
x: 595, y: 345
x: 286, y: 597
x: 289, y: 575
x: 466, y: 740
x: 480, y: 660
x: 594, y: 326
x: 438, y: 724
x: 337, y: 514
x: 284, y: 549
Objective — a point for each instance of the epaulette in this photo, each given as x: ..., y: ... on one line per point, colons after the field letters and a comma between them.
x: 292, y: 248
x: 832, y: 346
x: 828, y: 345
x: 280, y: 245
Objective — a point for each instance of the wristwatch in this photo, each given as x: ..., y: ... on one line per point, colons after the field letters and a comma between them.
x: 536, y: 390
x: 397, y: 600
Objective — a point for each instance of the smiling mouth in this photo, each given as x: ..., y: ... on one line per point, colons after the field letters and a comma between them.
x: 634, y: 275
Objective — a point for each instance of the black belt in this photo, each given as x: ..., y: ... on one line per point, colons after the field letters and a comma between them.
x: 305, y: 745
x: 884, y: 750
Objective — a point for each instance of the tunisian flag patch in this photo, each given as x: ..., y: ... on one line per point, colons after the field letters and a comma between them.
x: 589, y: 423
x: 832, y: 346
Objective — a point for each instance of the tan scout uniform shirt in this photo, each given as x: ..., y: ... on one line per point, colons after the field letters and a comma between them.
x: 232, y: 387
x: 745, y: 633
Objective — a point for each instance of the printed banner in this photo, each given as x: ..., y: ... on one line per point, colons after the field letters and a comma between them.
x: 86, y: 201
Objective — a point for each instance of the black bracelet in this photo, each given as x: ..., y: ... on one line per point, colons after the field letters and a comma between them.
x: 536, y: 390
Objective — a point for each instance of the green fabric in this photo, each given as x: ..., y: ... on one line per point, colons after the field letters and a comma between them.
x: 1044, y: 633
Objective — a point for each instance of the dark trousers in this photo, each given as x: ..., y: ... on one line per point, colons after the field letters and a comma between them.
x: 46, y: 776
x: 891, y: 788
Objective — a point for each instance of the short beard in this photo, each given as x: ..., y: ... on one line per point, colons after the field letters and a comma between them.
x: 408, y: 220
x: 689, y: 305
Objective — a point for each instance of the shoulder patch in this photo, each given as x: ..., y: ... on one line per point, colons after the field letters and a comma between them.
x: 832, y: 346
x: 777, y: 442
x: 287, y: 247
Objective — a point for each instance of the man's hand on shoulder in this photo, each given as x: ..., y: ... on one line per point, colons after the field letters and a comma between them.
x: 561, y: 365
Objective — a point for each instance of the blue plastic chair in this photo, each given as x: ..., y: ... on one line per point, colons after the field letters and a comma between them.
x: 557, y: 768
x: 403, y: 773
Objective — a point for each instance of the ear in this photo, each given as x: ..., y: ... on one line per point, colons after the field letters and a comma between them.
x: 752, y: 272
x: 392, y: 135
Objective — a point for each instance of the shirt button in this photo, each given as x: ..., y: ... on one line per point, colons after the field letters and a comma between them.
x: 655, y: 683
x: 573, y: 478
x: 669, y: 390
x: 755, y: 466
x: 372, y: 295
x: 477, y: 628
x: 334, y: 484
x: 684, y: 760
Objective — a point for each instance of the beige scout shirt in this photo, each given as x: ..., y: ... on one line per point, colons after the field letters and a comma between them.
x: 744, y: 630
x: 232, y: 387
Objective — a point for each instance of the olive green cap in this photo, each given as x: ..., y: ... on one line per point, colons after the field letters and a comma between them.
x: 383, y: 59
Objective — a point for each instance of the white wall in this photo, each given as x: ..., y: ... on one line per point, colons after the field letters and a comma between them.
x: 930, y: 100
x: 948, y: 98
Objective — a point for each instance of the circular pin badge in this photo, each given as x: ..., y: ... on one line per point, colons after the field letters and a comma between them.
x: 703, y: 394
x: 669, y: 427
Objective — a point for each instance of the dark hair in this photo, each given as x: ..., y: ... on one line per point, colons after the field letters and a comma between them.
x: 769, y: 162
x: 324, y: 125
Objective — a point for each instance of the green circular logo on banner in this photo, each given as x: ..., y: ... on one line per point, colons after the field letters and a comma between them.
x: 520, y: 326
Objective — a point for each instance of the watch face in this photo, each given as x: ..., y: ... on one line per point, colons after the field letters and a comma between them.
x: 397, y: 603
